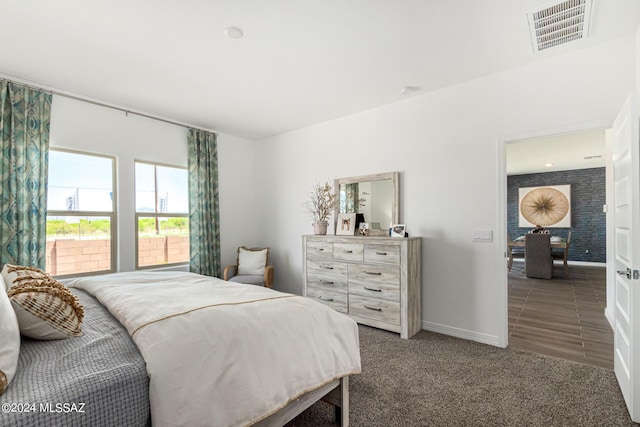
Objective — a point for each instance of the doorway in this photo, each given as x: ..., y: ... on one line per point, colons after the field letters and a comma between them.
x: 564, y: 316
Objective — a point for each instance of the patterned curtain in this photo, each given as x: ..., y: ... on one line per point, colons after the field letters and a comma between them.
x: 24, y: 143
x: 204, y: 216
x: 352, y: 198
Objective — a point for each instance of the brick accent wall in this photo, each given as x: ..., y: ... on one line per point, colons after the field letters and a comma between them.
x: 72, y: 256
x: 588, y: 221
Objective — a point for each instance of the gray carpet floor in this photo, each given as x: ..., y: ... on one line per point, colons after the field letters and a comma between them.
x: 437, y: 380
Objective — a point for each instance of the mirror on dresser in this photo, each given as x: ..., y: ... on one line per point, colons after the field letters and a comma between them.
x: 376, y: 197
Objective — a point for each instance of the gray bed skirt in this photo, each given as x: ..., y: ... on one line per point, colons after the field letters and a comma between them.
x: 98, y: 379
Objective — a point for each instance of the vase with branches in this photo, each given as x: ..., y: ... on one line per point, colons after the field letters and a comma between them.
x: 321, y: 202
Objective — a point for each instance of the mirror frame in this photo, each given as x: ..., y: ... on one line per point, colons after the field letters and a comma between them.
x: 395, y: 184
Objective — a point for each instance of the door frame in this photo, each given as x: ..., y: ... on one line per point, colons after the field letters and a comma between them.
x: 501, y: 233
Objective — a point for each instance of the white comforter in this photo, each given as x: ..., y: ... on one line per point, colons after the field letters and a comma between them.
x: 225, y: 354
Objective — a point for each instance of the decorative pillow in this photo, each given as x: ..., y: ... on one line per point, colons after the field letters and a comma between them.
x: 44, y: 307
x: 252, y: 261
x: 9, y: 340
x: 10, y: 273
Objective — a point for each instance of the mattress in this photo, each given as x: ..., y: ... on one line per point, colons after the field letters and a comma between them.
x: 97, y: 379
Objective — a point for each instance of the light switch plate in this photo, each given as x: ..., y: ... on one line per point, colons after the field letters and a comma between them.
x: 482, y: 235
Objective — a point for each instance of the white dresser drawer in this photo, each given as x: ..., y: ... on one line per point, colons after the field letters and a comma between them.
x: 384, y: 311
x: 319, y: 250
x: 348, y: 251
x: 372, y: 274
x: 376, y: 291
x: 389, y: 254
x: 334, y: 299
x: 322, y: 267
x: 327, y: 281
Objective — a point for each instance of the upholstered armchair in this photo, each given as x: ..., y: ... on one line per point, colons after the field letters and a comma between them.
x: 251, y: 267
x: 537, y: 255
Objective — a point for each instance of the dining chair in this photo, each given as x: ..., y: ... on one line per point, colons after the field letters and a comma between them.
x: 537, y: 255
x: 563, y: 254
x: 514, y: 252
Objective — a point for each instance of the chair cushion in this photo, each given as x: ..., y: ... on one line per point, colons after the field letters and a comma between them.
x: 252, y: 261
x: 249, y: 279
x: 9, y: 339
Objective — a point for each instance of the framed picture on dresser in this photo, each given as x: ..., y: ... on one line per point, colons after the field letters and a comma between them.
x: 398, y: 230
x: 346, y: 225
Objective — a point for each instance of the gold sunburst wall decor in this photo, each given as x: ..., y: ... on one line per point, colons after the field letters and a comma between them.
x: 546, y: 206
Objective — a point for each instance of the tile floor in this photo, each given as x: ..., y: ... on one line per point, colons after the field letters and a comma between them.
x: 562, y: 317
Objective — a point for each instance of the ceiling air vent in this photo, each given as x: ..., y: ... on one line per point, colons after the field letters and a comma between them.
x: 559, y: 23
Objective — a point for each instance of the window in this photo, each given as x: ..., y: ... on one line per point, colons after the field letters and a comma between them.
x: 80, y: 213
x: 162, y: 215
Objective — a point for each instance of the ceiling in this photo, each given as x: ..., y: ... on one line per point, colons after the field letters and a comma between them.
x: 300, y: 62
x: 580, y: 150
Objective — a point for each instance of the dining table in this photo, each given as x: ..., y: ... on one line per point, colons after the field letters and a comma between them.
x: 556, y: 242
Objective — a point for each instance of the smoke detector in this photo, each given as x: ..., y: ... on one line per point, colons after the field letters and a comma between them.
x: 559, y: 23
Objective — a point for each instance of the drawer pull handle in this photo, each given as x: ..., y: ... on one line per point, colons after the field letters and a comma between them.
x: 319, y: 249
x: 373, y: 308
x: 348, y: 252
x: 328, y: 282
x: 373, y: 273
x: 374, y: 290
x: 326, y: 299
x: 381, y: 253
x: 326, y: 267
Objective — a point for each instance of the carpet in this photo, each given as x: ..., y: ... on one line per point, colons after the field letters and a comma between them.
x: 437, y: 380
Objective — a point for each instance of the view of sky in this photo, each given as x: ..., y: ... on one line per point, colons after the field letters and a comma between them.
x: 83, y: 182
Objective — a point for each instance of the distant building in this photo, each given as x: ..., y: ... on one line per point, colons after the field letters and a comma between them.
x: 72, y: 203
x: 163, y: 203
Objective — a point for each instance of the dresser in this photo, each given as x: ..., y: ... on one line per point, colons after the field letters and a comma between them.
x: 374, y: 280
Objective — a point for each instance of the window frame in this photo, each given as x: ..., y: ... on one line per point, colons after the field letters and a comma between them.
x: 113, y: 217
x: 155, y: 214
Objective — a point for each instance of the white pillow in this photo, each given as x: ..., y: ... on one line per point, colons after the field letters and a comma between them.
x: 9, y: 340
x: 252, y: 261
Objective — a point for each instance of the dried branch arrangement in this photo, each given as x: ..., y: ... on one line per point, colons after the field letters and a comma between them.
x: 321, y: 202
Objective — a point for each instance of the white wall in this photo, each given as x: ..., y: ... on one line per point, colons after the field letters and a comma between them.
x: 446, y: 146
x: 85, y: 127
x: 638, y: 60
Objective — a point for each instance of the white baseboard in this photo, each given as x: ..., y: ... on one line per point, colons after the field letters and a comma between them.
x: 587, y: 263
x: 609, y: 316
x: 463, y: 333
x: 583, y: 263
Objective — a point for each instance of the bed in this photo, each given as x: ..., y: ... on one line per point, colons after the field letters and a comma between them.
x: 177, y: 348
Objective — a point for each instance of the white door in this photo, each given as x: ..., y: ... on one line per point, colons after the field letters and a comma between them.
x: 626, y: 164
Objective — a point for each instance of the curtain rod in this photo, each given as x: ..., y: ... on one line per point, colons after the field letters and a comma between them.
x: 105, y: 105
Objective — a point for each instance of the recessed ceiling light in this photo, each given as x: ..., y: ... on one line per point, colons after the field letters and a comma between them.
x: 408, y: 90
x: 234, y: 32
x: 548, y: 164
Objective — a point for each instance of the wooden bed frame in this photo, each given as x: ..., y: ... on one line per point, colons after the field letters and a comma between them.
x: 336, y: 393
